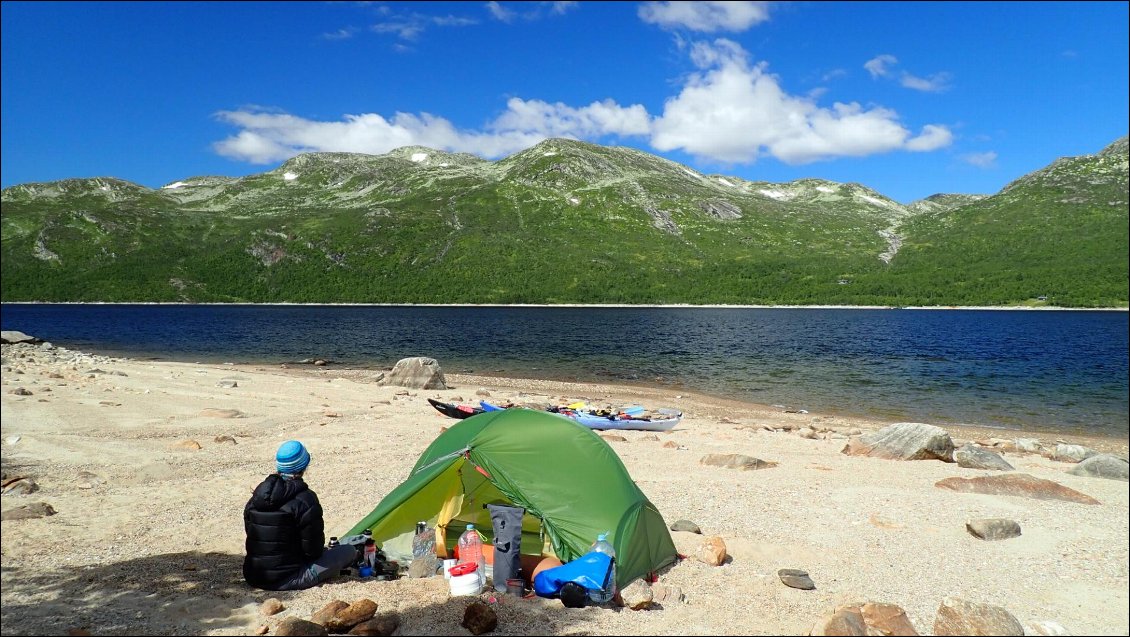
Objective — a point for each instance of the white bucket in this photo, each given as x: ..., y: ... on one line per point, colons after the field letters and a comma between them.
x: 469, y: 584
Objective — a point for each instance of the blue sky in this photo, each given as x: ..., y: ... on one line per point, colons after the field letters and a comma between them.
x: 908, y: 98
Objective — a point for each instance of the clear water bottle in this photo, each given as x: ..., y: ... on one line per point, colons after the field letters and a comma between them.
x: 471, y: 550
x: 424, y: 550
x: 600, y: 596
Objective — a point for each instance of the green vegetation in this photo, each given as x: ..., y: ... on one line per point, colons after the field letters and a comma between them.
x: 564, y: 222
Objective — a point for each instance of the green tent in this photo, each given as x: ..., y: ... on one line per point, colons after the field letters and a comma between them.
x: 572, y: 485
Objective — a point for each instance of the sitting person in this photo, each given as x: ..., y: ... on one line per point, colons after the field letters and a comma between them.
x: 285, y: 531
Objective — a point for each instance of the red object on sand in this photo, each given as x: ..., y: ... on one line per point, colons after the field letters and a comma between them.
x: 464, y: 568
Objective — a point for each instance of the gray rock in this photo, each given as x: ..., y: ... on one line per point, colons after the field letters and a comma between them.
x: 1103, y: 465
x: 686, y: 525
x: 736, y: 461
x: 28, y: 512
x: 993, y: 528
x: 416, y: 373
x: 973, y: 457
x: 1072, y: 453
x: 904, y: 441
x: 796, y: 579
x: 1028, y: 445
x: 11, y: 337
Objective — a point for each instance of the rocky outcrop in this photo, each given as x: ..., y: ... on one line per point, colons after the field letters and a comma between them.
x: 418, y: 372
x: 1016, y: 484
x: 1103, y: 465
x: 904, y: 441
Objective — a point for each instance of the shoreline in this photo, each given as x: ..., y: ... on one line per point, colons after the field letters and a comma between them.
x: 605, y: 305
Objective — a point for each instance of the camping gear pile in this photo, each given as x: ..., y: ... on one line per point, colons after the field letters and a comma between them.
x: 539, y: 489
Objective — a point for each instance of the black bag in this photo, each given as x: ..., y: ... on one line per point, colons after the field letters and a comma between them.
x: 507, y: 523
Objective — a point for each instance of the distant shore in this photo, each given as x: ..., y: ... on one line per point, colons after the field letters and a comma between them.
x: 610, y: 305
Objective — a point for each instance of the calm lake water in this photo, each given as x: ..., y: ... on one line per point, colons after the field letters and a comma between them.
x: 1043, y: 370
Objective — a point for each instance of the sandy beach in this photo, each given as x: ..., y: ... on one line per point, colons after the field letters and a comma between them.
x: 147, y: 535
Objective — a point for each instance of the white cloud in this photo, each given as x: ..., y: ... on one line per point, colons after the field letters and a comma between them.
x: 936, y: 83
x: 877, y: 66
x: 340, y: 34
x: 881, y: 66
x: 408, y: 30
x: 558, y: 120
x: 986, y: 159
x: 271, y: 137
x: 735, y: 112
x: 701, y: 15
x: 500, y: 12
x: 729, y: 111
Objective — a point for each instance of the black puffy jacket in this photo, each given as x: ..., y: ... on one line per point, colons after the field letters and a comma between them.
x: 285, y: 531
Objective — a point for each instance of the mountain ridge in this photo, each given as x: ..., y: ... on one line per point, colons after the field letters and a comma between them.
x: 596, y: 223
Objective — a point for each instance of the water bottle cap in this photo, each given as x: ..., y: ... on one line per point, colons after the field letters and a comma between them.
x: 603, y: 537
x: 470, y: 527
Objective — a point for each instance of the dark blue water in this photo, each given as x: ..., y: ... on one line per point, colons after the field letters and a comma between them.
x: 1041, y: 370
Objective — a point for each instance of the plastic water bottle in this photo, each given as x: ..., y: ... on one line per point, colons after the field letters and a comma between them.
x: 424, y: 549
x: 471, y: 550
x: 600, y: 596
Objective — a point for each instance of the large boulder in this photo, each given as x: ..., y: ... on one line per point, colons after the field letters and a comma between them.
x: 962, y: 617
x: 418, y: 372
x: 1103, y: 465
x: 1018, y: 484
x: 904, y: 441
x: 9, y: 337
x: 972, y: 457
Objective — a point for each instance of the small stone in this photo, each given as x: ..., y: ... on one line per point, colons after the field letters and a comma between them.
x: 686, y: 525
x: 348, y: 617
x: 796, y: 579
x: 479, y: 618
x: 326, y: 613
x: 296, y: 627
x: 381, y: 626
x: 993, y: 528
x: 712, y: 551
x: 272, y: 606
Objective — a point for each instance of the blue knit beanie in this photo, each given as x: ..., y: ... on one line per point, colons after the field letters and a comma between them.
x: 292, y: 457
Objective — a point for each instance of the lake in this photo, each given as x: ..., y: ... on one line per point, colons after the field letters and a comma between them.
x: 1040, y: 370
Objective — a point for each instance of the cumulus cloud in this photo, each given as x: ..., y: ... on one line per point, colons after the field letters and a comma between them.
x: 735, y: 112
x: 270, y: 137
x: 729, y: 111
x: 986, y: 159
x: 701, y: 15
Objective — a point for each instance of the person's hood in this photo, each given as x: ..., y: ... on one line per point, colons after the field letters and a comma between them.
x: 276, y: 491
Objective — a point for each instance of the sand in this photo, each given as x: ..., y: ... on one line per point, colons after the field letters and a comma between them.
x: 148, y: 537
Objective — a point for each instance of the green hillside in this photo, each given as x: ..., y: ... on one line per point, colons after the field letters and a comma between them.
x: 564, y: 222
